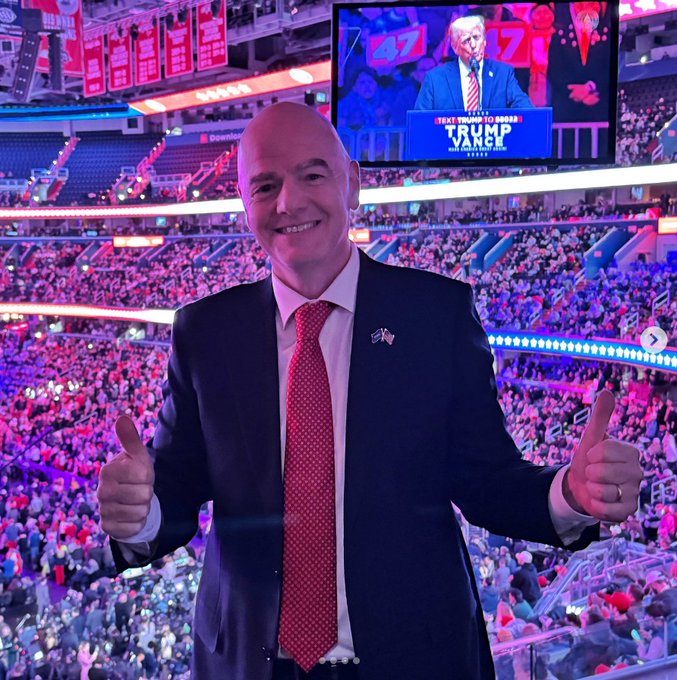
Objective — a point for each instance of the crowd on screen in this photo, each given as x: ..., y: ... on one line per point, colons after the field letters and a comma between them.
x: 637, y: 129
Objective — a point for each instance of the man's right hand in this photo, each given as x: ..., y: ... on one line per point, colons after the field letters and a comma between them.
x: 126, y: 484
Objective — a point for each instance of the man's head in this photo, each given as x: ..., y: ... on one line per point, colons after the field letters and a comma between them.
x: 294, y: 174
x: 542, y: 15
x: 468, y: 38
x: 366, y: 84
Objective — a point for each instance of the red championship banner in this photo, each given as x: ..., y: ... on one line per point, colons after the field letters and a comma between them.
x: 64, y: 16
x: 179, y: 48
x: 211, y: 37
x: 95, y: 67
x: 147, y: 53
x: 119, y: 60
x: 509, y: 42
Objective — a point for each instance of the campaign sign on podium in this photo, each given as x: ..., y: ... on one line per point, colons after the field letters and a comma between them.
x: 466, y: 135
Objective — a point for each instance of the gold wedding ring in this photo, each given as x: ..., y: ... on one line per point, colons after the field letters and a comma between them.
x: 619, y: 493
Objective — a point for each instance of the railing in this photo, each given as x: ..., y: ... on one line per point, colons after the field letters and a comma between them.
x: 129, y: 174
x: 657, y: 154
x: 210, y: 170
x: 556, y: 297
x: 594, y: 128
x: 663, y: 490
x: 628, y: 323
x: 660, y: 300
x: 66, y: 152
x: 570, y: 652
x: 580, y: 275
x: 590, y: 570
x: 18, y: 186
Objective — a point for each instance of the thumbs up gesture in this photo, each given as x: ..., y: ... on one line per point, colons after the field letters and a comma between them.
x: 126, y: 484
x: 604, y: 477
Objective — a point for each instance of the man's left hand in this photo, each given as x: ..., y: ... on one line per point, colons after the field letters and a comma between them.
x: 605, y: 474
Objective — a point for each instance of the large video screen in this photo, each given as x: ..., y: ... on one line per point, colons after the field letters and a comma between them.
x: 524, y: 83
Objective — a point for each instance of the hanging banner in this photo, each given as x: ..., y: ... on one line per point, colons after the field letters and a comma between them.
x: 10, y: 16
x: 147, y: 53
x: 95, y: 67
x: 119, y: 60
x: 64, y: 16
x: 211, y: 37
x: 179, y: 48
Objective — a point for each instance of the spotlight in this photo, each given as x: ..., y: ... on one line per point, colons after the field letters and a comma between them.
x: 216, y: 8
x: 182, y: 15
x: 196, y: 193
x: 120, y: 31
x: 134, y: 31
x: 169, y: 22
x: 645, y: 58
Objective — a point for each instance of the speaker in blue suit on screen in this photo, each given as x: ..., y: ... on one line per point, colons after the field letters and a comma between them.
x: 450, y: 86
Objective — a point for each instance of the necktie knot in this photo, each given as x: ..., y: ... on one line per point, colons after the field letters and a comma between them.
x: 310, y: 319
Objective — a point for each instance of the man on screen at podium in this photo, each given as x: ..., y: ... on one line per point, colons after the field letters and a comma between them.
x: 471, y: 82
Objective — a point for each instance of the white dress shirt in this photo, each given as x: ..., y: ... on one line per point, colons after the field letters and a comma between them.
x: 335, y: 342
x: 465, y: 72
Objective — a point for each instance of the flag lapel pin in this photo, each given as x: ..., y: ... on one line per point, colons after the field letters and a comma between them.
x: 382, y: 335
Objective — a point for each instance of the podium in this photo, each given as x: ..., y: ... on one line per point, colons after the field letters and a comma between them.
x: 467, y: 135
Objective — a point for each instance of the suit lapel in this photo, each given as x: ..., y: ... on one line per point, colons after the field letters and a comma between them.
x: 454, y: 79
x: 254, y: 372
x: 488, y: 81
x: 364, y: 383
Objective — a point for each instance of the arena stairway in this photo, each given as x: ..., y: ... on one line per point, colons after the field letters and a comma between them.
x: 96, y: 162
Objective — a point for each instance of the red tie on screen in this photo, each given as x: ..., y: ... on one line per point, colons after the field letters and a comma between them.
x: 473, y: 93
x: 308, y: 619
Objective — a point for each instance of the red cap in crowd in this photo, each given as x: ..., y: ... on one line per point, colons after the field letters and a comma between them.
x: 620, y: 600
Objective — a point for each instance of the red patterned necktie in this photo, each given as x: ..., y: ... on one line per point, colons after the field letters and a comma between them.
x: 473, y: 93
x: 308, y: 618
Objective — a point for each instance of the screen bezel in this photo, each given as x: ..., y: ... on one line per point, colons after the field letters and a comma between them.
x: 609, y: 158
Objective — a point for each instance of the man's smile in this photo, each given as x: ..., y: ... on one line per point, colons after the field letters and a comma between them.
x: 295, y: 228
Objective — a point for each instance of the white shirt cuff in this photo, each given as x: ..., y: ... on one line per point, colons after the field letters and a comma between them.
x: 568, y: 523
x: 150, y: 529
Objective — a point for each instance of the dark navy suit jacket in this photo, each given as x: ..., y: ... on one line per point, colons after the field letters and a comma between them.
x: 424, y: 427
x: 441, y: 89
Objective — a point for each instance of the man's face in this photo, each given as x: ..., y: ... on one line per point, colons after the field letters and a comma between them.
x: 365, y: 86
x: 470, y: 44
x: 293, y: 173
x: 542, y: 18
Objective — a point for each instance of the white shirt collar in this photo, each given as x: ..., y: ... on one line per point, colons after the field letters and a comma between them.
x: 465, y: 69
x: 341, y: 291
